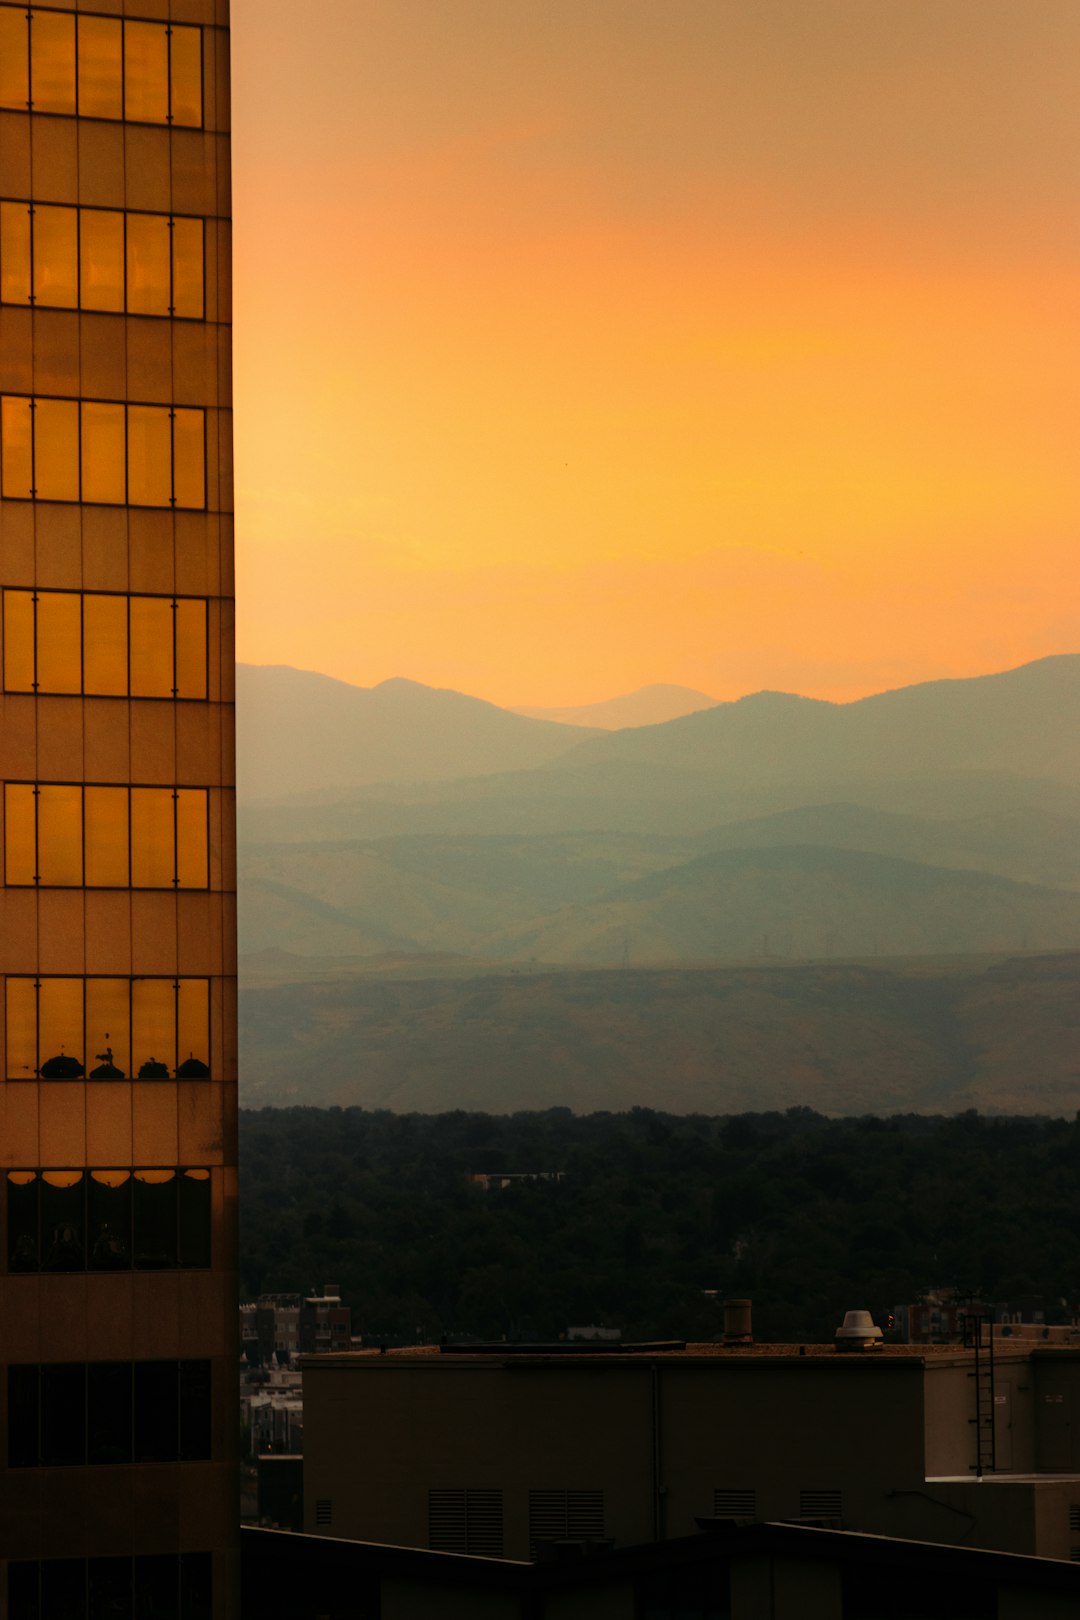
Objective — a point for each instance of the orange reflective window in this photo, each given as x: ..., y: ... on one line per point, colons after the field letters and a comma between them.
x: 146, y: 72
x: 105, y: 646
x: 21, y: 1007
x: 186, y: 76
x: 149, y: 456
x: 101, y: 67
x: 14, y: 58
x: 56, y: 449
x: 148, y: 264
x: 56, y: 256
x: 52, y: 62
x: 108, y: 1022
x: 192, y: 839
x: 15, y: 252
x: 193, y: 1019
x: 190, y: 618
x: 20, y: 833
x: 151, y: 646
x: 105, y: 815
x: 103, y: 453
x: 19, y: 641
x: 59, y: 642
x: 16, y: 448
x: 153, y: 838
x: 61, y: 1043
x: 101, y: 259
x: 189, y: 452
x: 153, y: 1028
x: 60, y: 835
x: 188, y: 271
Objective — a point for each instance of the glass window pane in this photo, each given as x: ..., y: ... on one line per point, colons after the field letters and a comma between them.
x: 108, y: 1426
x: 60, y: 1029
x: 19, y: 641
x: 151, y: 646
x: 14, y: 250
x: 188, y: 272
x: 195, y: 1405
x: 149, y: 456
x: 103, y: 453
x: 153, y: 1017
x: 56, y: 449
x: 62, y: 1221
x: 23, y: 1592
x: 193, y: 1035
x: 192, y: 840
x: 16, y: 454
x: 24, y: 1400
x: 190, y: 619
x: 156, y: 1411
x: 196, y: 1586
x: 187, y: 76
x: 101, y: 253
x: 108, y: 1027
x: 105, y: 645
x: 194, y: 1190
x: 108, y: 1589
x: 20, y: 833
x: 23, y: 1188
x: 148, y: 279
x: 146, y: 72
x: 59, y: 642
x: 101, y: 77
x: 60, y: 835
x: 153, y: 835
x: 155, y: 1219
x: 108, y: 1220
x: 14, y: 58
x: 190, y: 453
x: 52, y: 62
x: 63, y: 1589
x: 56, y: 256
x: 105, y: 811
x: 21, y: 1004
x: 156, y: 1585
x: 63, y: 1415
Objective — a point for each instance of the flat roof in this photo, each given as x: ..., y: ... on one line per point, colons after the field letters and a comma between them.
x: 502, y: 1355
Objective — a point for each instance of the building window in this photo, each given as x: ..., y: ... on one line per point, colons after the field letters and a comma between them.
x: 819, y: 1504
x: 67, y: 1414
x: 66, y: 836
x: 466, y: 1521
x: 59, y: 257
x: 148, y: 1029
x: 105, y: 645
x: 102, y: 453
x: 734, y: 1503
x: 565, y: 1516
x: 108, y: 1220
x: 76, y: 1588
x: 100, y: 67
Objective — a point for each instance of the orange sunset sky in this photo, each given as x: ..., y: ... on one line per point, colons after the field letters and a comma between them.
x: 582, y: 344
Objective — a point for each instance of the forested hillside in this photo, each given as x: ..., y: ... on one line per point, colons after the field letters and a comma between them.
x: 810, y: 1217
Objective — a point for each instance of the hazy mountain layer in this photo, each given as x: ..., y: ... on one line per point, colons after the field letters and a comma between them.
x: 840, y: 1039
x: 303, y: 733
x: 648, y: 706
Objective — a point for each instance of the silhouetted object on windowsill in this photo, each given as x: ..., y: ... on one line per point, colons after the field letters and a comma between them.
x: 61, y: 1067
x: 106, y: 1069
x: 193, y: 1068
x: 153, y: 1070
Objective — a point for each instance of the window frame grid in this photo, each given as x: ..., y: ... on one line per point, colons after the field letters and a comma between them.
x: 28, y: 10
x: 40, y: 1269
x: 194, y: 1579
x: 79, y: 210
x: 129, y: 597
x: 131, y: 979
x: 126, y: 405
x: 180, y: 1363
x: 175, y: 887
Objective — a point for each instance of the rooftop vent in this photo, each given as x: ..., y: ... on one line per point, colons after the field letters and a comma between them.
x: 737, y: 1323
x: 858, y: 1332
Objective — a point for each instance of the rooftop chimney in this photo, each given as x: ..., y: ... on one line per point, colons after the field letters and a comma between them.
x: 737, y: 1324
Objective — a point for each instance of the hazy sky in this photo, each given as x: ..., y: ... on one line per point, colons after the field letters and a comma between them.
x: 587, y: 343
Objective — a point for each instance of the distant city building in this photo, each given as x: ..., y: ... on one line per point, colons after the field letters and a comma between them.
x: 325, y: 1325
x: 499, y: 1180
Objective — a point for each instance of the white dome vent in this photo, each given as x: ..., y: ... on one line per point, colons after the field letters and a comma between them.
x: 858, y: 1332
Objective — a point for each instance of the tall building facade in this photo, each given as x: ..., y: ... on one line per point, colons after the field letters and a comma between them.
x: 117, y: 905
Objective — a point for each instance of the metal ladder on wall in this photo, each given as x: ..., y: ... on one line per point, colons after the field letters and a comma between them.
x: 983, y: 1374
